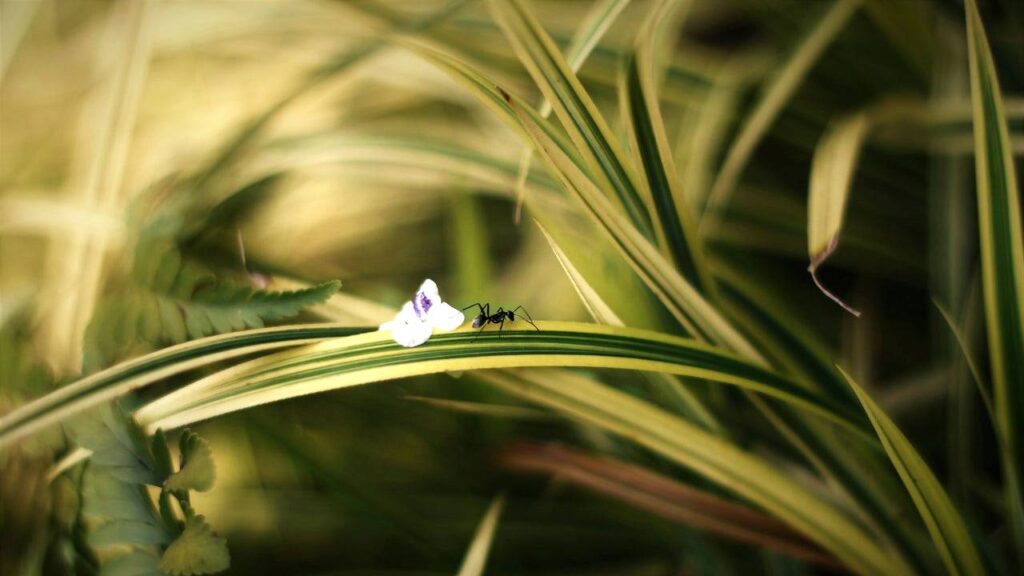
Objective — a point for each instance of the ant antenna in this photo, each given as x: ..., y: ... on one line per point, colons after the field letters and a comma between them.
x: 528, y: 317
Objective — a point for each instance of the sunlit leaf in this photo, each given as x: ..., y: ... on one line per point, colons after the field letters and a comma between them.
x: 374, y: 357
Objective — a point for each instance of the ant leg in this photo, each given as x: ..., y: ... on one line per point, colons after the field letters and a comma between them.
x: 478, y: 305
x: 478, y: 332
x: 528, y: 317
x: 501, y: 326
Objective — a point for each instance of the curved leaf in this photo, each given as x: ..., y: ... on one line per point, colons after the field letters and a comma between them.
x: 713, y: 458
x: 944, y: 523
x: 374, y: 357
x: 127, y: 376
x: 665, y: 497
x: 776, y: 95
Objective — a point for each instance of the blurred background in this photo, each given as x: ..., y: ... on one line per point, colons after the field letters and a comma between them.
x: 280, y: 144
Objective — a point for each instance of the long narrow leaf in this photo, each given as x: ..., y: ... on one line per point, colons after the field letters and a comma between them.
x: 639, y: 97
x: 573, y: 106
x: 692, y: 311
x: 1002, y: 263
x: 480, y: 547
x: 776, y: 95
x: 374, y: 357
x: 944, y: 523
x: 714, y: 458
x: 127, y: 376
x: 602, y: 313
x: 597, y: 21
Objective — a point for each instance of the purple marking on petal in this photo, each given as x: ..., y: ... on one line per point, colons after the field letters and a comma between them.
x: 421, y: 304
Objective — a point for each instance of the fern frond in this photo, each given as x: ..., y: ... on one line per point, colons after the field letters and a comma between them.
x: 172, y: 300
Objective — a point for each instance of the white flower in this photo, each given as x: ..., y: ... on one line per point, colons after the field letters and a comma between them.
x: 417, y: 319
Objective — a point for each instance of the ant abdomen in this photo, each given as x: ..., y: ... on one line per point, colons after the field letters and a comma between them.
x: 479, y: 321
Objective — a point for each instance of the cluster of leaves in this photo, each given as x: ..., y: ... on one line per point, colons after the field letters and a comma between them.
x: 129, y: 533
x: 170, y: 299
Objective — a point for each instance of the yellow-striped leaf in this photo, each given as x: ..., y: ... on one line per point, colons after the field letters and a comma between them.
x: 1002, y: 263
x: 944, y: 523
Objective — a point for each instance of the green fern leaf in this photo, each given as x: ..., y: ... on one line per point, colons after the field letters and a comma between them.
x: 197, y: 469
x: 172, y: 300
x: 118, y: 446
x: 197, y: 551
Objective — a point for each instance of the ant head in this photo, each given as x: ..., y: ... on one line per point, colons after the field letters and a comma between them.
x: 479, y: 321
x: 511, y: 315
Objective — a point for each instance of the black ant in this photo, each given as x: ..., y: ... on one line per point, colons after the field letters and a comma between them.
x: 485, y: 317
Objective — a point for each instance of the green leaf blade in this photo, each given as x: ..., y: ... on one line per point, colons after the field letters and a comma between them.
x: 720, y: 461
x: 374, y: 357
x: 197, y: 470
x: 196, y: 551
x: 944, y: 523
x: 646, y: 127
x: 573, y: 106
x: 1002, y: 262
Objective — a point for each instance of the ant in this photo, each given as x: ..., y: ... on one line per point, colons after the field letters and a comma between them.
x: 485, y: 317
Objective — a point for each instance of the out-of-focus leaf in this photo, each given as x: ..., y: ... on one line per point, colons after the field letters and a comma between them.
x: 480, y: 547
x: 135, y: 563
x: 776, y: 95
x: 597, y: 21
x: 944, y: 523
x: 718, y: 460
x: 197, y: 551
x: 897, y: 121
x: 197, y: 469
x: 1002, y: 264
x: 665, y: 497
x: 686, y: 304
x: 175, y: 299
x: 126, y: 376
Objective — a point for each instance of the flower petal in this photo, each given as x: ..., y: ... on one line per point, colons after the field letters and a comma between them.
x: 444, y: 317
x: 425, y: 299
x: 407, y: 329
x: 410, y: 334
x: 429, y: 287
